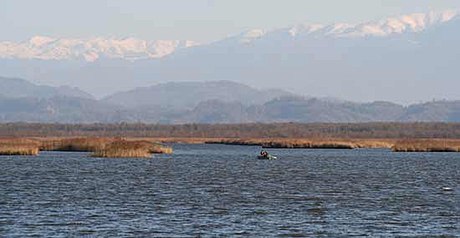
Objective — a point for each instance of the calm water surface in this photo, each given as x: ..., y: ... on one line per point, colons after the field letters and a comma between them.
x: 209, y: 190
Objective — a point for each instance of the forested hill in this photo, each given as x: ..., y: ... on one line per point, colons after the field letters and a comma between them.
x: 202, y: 102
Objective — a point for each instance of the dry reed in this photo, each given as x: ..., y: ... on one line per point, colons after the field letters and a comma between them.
x: 144, y: 147
x: 18, y: 147
x: 160, y: 149
x: 101, y: 147
x: 312, y: 143
x: 125, y: 149
x: 427, y: 145
x: 75, y: 144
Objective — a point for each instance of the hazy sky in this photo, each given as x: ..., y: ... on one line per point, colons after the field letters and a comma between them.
x: 202, y: 20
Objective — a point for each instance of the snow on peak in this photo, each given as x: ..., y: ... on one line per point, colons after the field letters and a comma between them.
x: 252, y: 35
x: 92, y: 49
x: 40, y: 40
x: 408, y: 23
x: 395, y: 25
x: 42, y: 47
x: 304, y: 28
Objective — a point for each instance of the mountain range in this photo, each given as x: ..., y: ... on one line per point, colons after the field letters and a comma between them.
x: 186, y: 95
x: 131, y: 49
x: 201, y: 102
x: 20, y: 88
x: 92, y: 49
x: 403, y: 59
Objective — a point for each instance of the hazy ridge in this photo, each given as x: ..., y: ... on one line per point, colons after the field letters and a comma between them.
x: 202, y: 102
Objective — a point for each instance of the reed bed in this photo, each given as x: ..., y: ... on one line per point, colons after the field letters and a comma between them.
x: 101, y: 147
x: 19, y: 150
x: 75, y: 144
x: 100, y: 144
x: 427, y: 145
x: 253, y: 142
x: 144, y: 147
x: 310, y: 145
x: 314, y: 143
x: 160, y: 149
x: 18, y: 147
x: 181, y: 140
x: 125, y: 149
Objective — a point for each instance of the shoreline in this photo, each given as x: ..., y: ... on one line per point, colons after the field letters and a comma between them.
x: 142, y: 147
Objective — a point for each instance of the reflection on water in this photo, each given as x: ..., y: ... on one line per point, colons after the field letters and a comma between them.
x: 225, y: 190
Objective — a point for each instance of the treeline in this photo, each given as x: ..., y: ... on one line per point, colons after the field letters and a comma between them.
x: 256, y: 130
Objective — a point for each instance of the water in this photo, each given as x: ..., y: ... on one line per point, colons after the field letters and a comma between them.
x: 209, y: 190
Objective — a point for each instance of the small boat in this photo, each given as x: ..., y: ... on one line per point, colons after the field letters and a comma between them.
x: 267, y: 157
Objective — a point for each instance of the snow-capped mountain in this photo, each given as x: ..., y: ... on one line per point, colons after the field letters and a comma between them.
x: 394, y: 25
x: 380, y: 60
x: 46, y: 48
x: 411, y: 23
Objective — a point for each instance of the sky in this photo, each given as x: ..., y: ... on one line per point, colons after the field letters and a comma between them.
x: 199, y: 20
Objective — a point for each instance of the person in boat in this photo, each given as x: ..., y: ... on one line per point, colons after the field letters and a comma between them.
x: 263, y: 153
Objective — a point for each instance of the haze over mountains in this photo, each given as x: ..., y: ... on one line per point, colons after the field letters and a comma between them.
x: 407, y: 59
x: 200, y: 102
x: 186, y: 95
x: 20, y: 88
x: 403, y: 59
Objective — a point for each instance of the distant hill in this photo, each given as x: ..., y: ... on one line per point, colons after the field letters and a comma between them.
x: 433, y: 111
x: 18, y: 88
x: 317, y: 110
x: 205, y: 102
x: 298, y: 109
x: 21, y: 100
x: 295, y: 109
x: 216, y: 111
x: 187, y: 95
x: 60, y: 109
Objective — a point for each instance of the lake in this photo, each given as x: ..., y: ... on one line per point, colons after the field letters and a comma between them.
x: 211, y: 190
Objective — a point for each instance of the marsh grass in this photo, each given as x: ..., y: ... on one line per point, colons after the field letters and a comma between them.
x: 312, y: 143
x: 100, y: 147
x: 160, y: 149
x: 125, y: 149
x: 18, y: 147
x: 84, y: 144
x: 144, y: 147
x: 426, y: 145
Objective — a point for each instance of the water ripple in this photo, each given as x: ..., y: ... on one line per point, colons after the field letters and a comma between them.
x: 212, y: 190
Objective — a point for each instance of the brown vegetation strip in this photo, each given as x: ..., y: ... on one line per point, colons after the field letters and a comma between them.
x: 18, y: 147
x: 407, y: 145
x: 74, y: 144
x: 125, y: 149
x: 102, y: 147
x: 318, y: 143
x: 425, y: 145
x: 144, y: 147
